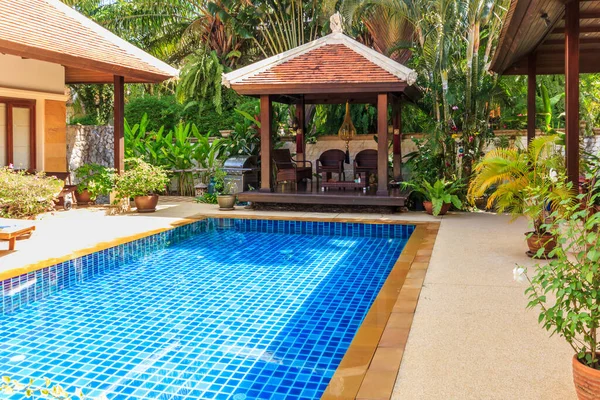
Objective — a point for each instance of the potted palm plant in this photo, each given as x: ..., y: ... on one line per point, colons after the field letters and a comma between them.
x: 143, y: 182
x: 567, y: 289
x: 93, y: 180
x: 439, y: 197
x: 521, y: 182
x: 225, y: 196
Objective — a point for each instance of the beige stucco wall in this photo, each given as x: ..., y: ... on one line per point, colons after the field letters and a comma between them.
x: 360, y: 142
x: 39, y: 81
x: 28, y: 74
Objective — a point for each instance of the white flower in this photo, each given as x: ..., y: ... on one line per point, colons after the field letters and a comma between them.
x: 553, y: 175
x: 519, y: 274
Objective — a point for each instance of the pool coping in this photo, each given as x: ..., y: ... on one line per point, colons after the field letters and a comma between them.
x: 371, y: 363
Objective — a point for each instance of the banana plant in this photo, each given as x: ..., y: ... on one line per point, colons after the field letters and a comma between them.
x: 179, y: 149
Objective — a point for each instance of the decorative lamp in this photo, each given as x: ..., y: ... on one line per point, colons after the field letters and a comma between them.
x: 347, y: 132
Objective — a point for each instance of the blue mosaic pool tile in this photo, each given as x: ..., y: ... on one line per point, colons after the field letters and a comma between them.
x: 220, y: 308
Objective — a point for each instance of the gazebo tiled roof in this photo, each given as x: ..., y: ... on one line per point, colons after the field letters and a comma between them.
x: 48, y: 30
x: 334, y: 63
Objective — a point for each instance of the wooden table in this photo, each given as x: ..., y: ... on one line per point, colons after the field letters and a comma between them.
x: 343, y: 184
x: 10, y: 230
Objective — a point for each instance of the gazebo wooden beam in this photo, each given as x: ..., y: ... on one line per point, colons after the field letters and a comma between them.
x: 300, y: 133
x: 266, y: 145
x: 119, y: 123
x: 531, y: 88
x: 382, y: 144
x: 572, y: 90
x: 397, y: 138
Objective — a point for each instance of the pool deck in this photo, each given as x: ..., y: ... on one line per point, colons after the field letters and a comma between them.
x: 471, y: 336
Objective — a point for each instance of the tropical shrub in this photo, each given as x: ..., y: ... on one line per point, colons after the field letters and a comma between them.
x: 96, y: 179
x: 518, y: 181
x: 140, y: 179
x: 440, y: 193
x: 24, y: 196
x: 567, y: 289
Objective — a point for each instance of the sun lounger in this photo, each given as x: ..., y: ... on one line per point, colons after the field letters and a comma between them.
x: 11, y: 229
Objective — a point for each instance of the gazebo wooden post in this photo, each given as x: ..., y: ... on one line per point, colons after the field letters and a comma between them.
x: 572, y: 90
x: 300, y: 134
x: 266, y: 145
x: 531, y: 88
x: 119, y: 123
x: 382, y: 144
x: 397, y: 132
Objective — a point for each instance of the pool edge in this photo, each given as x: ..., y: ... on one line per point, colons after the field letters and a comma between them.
x: 372, y: 362
x: 17, y: 271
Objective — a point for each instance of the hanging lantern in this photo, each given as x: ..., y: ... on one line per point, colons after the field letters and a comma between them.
x: 347, y: 132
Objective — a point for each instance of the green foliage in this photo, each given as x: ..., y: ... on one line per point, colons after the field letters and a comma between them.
x: 24, y: 196
x: 207, y: 198
x: 200, y: 80
x: 93, y: 104
x: 222, y: 186
x: 329, y: 118
x: 140, y: 179
x: 96, y: 179
x: 90, y: 119
x: 161, y: 111
x: 516, y: 177
x: 440, y: 193
x: 567, y: 289
x: 425, y: 163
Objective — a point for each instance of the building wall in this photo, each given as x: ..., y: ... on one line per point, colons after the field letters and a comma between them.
x: 55, y: 136
x: 28, y: 74
x: 45, y: 83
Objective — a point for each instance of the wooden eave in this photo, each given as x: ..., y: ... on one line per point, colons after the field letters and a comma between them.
x: 525, y: 31
x: 81, y: 70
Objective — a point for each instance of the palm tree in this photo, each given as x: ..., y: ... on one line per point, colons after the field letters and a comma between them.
x: 174, y: 29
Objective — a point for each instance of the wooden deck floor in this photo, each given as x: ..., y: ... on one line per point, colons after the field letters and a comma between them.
x: 303, y: 195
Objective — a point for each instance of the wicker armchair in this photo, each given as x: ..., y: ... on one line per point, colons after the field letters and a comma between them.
x: 331, y: 162
x: 288, y: 169
x: 365, y: 161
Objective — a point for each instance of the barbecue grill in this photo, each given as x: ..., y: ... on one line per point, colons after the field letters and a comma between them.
x: 242, y: 172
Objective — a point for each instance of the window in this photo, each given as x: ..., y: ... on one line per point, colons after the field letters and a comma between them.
x: 17, y: 133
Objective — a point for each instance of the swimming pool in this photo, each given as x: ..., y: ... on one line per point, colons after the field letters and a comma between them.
x: 220, y: 308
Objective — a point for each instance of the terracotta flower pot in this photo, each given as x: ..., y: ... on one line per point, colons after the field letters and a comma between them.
x: 146, y: 204
x: 537, y: 241
x: 429, y: 208
x: 83, y: 197
x: 586, y: 380
x: 226, y: 202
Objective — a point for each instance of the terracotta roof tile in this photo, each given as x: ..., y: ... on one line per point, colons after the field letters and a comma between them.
x: 331, y: 63
x: 49, y: 30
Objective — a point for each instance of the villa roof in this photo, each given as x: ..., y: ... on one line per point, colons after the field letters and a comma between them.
x: 538, y: 27
x: 334, y: 63
x: 49, y: 30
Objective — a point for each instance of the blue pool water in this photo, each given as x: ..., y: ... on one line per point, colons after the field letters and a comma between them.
x: 224, y: 309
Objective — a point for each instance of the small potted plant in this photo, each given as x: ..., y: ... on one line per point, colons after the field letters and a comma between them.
x: 93, y: 180
x: 143, y: 182
x: 567, y: 289
x: 439, y: 196
x: 225, y: 196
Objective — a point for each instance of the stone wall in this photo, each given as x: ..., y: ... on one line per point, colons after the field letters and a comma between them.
x: 89, y: 144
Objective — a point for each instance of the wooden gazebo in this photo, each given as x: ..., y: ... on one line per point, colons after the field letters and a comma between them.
x: 552, y: 37
x: 334, y: 69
